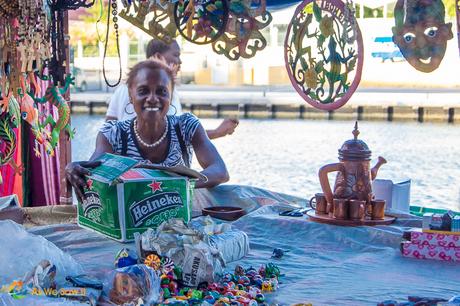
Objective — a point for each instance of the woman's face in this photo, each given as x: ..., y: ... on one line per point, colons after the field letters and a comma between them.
x: 150, y: 93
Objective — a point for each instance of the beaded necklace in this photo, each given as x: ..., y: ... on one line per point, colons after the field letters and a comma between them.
x: 150, y: 145
x: 113, y: 4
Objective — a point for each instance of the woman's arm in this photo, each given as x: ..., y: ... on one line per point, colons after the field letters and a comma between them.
x: 208, y: 157
x: 76, y: 172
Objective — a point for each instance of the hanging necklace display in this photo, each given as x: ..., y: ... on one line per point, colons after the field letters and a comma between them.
x: 58, y: 63
x: 154, y: 17
x: 112, y: 4
x: 323, y: 53
x: 201, y: 21
x: 421, y: 33
x: 242, y: 36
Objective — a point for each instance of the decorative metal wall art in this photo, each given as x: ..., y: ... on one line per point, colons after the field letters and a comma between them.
x: 154, y: 17
x: 242, y: 37
x: 421, y: 32
x: 324, y: 52
x: 201, y: 21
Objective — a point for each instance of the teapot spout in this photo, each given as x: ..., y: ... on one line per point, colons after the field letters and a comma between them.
x: 375, y: 169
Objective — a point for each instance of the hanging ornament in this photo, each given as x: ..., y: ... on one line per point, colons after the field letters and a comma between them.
x: 324, y: 52
x: 201, y: 21
x: 9, y: 120
x: 54, y: 95
x: 421, y: 33
x: 160, y: 20
x: 242, y: 36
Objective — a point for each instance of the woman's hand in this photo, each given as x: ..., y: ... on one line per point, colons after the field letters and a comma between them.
x: 76, y: 173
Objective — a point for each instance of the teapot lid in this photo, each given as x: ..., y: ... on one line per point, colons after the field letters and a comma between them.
x: 354, y: 149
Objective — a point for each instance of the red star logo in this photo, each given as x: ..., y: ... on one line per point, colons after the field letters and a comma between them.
x: 155, y: 186
x: 89, y: 184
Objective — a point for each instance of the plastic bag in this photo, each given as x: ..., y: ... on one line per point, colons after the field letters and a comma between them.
x: 133, y: 284
x: 33, y: 249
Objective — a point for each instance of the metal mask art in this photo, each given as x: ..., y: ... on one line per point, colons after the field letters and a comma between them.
x: 201, y: 21
x: 421, y: 33
x: 324, y: 52
x: 242, y: 37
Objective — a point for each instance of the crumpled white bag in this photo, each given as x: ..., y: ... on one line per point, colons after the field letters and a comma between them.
x: 22, y: 251
x: 189, y: 248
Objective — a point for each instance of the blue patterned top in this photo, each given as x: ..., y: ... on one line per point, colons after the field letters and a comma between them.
x: 188, y: 123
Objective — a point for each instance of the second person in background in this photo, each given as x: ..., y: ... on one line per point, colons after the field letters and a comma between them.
x: 120, y: 107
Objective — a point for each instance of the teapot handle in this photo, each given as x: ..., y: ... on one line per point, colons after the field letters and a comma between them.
x: 324, y: 181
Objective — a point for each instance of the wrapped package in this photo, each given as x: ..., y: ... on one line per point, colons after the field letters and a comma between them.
x: 201, y: 248
x: 441, y: 239
x: 430, y: 251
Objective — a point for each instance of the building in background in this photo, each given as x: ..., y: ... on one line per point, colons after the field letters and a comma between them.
x: 200, y: 65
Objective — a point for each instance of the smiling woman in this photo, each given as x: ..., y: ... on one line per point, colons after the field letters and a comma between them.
x: 153, y: 137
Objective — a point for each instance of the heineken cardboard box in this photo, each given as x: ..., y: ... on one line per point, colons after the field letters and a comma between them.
x: 121, y: 198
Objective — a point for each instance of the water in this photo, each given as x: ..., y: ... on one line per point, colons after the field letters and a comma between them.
x: 285, y: 155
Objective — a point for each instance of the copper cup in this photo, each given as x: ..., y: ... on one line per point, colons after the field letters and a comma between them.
x: 357, y: 209
x: 320, y: 203
x: 378, y: 209
x: 340, y: 209
x: 330, y: 209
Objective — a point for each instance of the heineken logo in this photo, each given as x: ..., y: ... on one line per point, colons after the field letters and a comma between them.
x: 91, y: 201
x: 142, y: 210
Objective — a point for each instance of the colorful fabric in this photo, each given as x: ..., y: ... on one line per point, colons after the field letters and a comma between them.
x: 44, y: 184
x: 188, y: 123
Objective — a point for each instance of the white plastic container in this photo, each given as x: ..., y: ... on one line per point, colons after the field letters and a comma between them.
x: 396, y: 194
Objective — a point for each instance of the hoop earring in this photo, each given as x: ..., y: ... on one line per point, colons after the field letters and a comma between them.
x: 175, y: 109
x: 126, y: 107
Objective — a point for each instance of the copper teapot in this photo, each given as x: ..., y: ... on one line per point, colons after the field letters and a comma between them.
x: 354, y: 180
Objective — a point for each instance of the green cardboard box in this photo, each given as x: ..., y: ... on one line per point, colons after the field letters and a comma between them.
x: 121, y: 200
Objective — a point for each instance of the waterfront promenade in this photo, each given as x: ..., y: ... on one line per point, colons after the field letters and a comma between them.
x: 390, y: 104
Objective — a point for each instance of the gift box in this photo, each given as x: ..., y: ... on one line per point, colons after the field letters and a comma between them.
x: 121, y: 200
x: 443, y: 239
x: 430, y: 251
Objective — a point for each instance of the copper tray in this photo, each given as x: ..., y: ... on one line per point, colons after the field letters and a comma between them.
x: 328, y: 220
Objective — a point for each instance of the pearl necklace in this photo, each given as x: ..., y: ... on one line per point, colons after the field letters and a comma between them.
x: 150, y: 145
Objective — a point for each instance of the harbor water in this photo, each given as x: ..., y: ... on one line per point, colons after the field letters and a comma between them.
x: 285, y: 155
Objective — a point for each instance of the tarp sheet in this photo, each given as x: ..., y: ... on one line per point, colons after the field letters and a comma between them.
x: 325, y: 265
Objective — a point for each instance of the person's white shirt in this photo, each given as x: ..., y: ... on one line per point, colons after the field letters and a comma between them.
x: 120, y: 108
